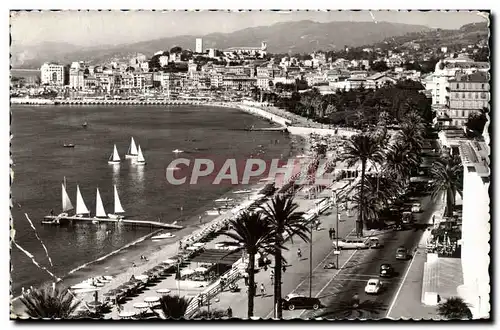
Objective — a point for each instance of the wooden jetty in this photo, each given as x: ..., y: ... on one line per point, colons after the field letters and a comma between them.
x: 130, y: 222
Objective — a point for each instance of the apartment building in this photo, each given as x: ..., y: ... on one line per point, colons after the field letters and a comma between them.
x: 52, y: 74
x: 475, y: 242
x: 468, y: 93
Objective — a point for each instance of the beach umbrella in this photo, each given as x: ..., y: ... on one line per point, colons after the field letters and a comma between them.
x: 85, y: 290
x: 187, y: 272
x: 201, y: 270
x: 112, y: 293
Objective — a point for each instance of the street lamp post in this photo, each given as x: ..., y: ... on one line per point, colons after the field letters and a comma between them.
x: 310, y: 259
x: 337, y: 231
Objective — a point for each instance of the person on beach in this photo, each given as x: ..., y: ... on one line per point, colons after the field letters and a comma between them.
x: 299, y: 253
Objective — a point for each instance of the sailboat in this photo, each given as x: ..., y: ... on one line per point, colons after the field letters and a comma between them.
x: 99, y: 207
x: 66, y: 206
x: 81, y: 208
x: 115, y: 157
x: 132, y: 150
x: 118, y: 208
x: 140, y: 157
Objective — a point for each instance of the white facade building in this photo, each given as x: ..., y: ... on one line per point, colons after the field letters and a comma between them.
x: 447, y: 69
x: 199, y: 45
x: 475, y: 242
x: 52, y: 74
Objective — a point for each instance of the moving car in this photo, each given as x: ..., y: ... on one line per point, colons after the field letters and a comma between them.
x: 401, y: 253
x: 373, y: 286
x: 416, y: 208
x: 293, y: 301
x: 386, y: 270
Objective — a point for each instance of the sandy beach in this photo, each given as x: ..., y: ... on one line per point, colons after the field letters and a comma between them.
x: 165, y: 250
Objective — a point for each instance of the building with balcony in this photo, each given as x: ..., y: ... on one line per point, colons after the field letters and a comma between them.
x: 468, y: 93
x: 475, y: 242
x: 52, y: 74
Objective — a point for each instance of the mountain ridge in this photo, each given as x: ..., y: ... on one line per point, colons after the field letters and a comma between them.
x: 283, y: 37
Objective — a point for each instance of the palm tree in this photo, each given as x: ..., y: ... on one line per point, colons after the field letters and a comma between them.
x: 50, y: 302
x: 454, y: 308
x: 211, y: 315
x: 361, y: 148
x: 252, y: 232
x: 174, y: 306
x: 399, y: 161
x: 447, y: 177
x: 282, y: 215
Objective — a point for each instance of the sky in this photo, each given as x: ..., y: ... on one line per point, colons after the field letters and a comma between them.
x: 91, y: 28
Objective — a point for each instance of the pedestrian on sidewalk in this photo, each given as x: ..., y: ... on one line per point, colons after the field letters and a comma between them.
x: 229, y: 312
x: 262, y: 290
x: 283, y: 268
x: 222, y: 283
x: 271, y: 276
x: 245, y: 277
x: 333, y: 233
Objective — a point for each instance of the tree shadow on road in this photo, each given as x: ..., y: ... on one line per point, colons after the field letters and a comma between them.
x: 367, y: 309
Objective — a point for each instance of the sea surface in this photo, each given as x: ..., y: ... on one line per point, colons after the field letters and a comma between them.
x: 40, y: 164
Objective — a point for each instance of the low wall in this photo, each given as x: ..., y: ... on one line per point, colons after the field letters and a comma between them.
x: 20, y: 100
x: 264, y: 114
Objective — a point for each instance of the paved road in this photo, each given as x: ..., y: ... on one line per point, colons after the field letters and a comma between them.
x: 366, y: 264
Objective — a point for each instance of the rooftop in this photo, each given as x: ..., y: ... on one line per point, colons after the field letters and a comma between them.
x: 474, y: 77
x: 475, y: 155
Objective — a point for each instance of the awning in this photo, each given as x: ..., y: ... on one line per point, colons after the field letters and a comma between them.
x: 216, y: 256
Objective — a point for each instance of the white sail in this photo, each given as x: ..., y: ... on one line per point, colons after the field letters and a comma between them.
x: 140, y: 156
x: 81, y: 208
x: 66, y: 202
x: 99, y: 208
x: 118, y: 205
x: 132, y: 150
x: 116, y: 156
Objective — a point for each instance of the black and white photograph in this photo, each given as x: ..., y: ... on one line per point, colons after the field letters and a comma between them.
x: 250, y: 164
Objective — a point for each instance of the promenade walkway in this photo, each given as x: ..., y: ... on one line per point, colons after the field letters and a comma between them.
x: 296, y: 276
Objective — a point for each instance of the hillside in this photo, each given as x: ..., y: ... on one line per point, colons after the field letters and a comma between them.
x: 294, y: 37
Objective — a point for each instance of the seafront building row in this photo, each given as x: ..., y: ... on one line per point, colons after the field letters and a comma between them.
x: 458, y: 86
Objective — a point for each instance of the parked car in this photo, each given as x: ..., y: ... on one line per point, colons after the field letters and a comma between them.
x: 296, y: 301
x: 401, y: 253
x: 373, y: 286
x: 386, y: 270
x: 416, y: 208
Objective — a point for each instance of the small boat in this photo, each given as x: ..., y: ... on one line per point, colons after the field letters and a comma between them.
x: 213, y: 212
x: 223, y: 200
x: 99, y: 208
x: 248, y: 191
x: 163, y: 236
x: 177, y: 151
x: 140, y: 157
x: 69, y: 145
x: 118, y: 207
x: 81, y: 208
x: 84, y: 125
x: 66, y: 206
x: 115, y: 157
x: 132, y: 150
